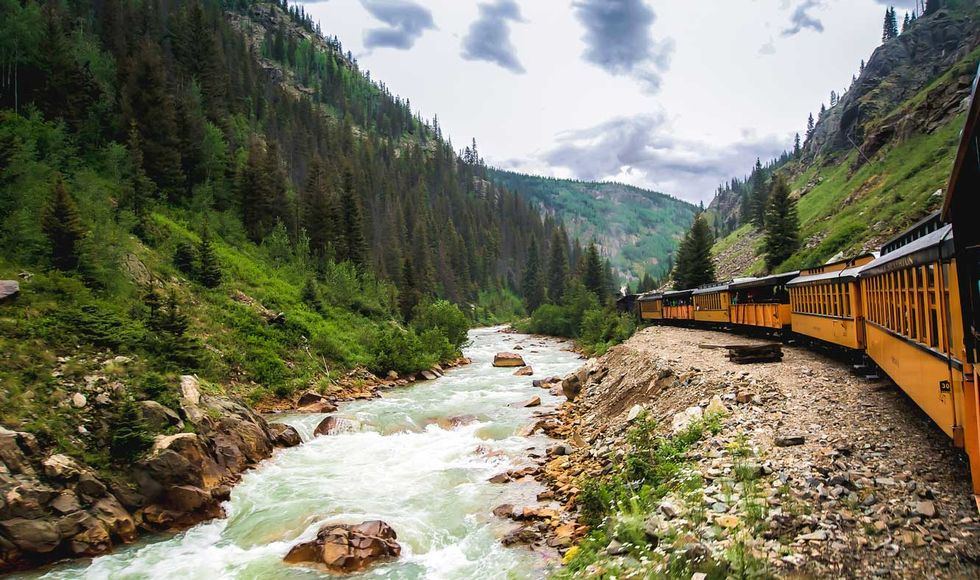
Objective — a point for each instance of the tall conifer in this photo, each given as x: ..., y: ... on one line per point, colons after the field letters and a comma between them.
x: 62, y: 226
x: 782, y: 225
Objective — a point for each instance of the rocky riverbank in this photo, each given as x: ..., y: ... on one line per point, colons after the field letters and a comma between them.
x: 53, y: 506
x: 792, y: 468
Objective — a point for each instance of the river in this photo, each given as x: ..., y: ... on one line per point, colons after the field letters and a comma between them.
x: 428, y: 482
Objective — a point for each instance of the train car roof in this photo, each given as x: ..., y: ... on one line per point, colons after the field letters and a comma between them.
x: 678, y: 293
x: 838, y: 265
x: 929, y: 248
x: 647, y: 296
x: 773, y: 280
x: 712, y: 288
x: 845, y: 275
x: 963, y: 157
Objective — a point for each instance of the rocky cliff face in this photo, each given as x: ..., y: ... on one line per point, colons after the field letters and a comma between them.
x: 53, y: 506
x: 897, y: 71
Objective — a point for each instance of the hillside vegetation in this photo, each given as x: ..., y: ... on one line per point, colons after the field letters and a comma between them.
x: 876, y: 161
x: 638, y: 229
x: 216, y: 188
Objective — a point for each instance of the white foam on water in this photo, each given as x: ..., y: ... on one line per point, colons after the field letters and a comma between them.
x: 429, y: 483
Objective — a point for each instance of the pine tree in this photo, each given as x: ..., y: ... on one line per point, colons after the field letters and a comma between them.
x: 932, y: 6
x: 557, y: 267
x: 797, y: 150
x: 310, y: 294
x: 758, y: 195
x: 355, y: 245
x: 62, y: 226
x: 139, y: 193
x: 533, y: 282
x: 129, y: 435
x: 147, y: 102
x: 317, y: 213
x: 693, y: 266
x: 809, y: 127
x: 408, y: 292
x: 833, y: 98
x: 209, y: 269
x: 255, y: 194
x: 782, y: 237
x: 890, y: 27
x: 184, y: 258
x: 907, y: 22
x: 861, y: 68
x: 592, y: 274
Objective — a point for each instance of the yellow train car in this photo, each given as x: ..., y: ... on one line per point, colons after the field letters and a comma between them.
x: 762, y: 302
x: 826, y: 302
x: 961, y: 208
x: 712, y: 304
x: 678, y: 305
x: 650, y: 306
x: 909, y: 294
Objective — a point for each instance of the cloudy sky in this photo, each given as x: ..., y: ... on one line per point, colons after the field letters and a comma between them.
x: 671, y: 95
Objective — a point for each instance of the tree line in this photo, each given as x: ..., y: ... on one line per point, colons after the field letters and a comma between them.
x: 346, y: 170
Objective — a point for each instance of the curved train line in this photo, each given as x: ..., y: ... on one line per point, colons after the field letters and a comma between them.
x: 913, y: 307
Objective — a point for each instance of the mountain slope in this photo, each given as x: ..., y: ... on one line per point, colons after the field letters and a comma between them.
x: 204, y: 204
x: 637, y: 229
x: 876, y: 160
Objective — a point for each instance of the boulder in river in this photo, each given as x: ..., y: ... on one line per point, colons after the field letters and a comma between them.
x: 533, y: 402
x: 284, y: 435
x: 347, y: 548
x: 333, y: 425
x: 524, y: 372
x: 508, y: 359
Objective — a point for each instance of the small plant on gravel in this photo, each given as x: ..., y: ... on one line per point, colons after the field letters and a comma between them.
x: 619, y: 505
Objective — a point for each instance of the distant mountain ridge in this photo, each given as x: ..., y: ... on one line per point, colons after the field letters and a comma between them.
x: 638, y: 229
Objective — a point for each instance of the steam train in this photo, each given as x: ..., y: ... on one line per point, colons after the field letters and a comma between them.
x: 913, y: 307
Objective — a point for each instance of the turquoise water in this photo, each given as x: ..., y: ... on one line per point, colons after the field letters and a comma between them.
x: 399, y: 466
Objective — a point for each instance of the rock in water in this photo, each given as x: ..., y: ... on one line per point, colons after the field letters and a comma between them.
x: 524, y: 372
x: 333, y: 425
x: 284, y: 435
x: 508, y: 359
x: 347, y: 548
x: 534, y: 402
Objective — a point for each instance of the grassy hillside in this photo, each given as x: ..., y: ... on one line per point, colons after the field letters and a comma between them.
x: 851, y: 199
x: 638, y: 229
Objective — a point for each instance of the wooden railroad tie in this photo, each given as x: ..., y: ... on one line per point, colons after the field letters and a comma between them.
x: 750, y: 353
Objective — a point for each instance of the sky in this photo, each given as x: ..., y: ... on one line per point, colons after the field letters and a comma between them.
x: 671, y: 95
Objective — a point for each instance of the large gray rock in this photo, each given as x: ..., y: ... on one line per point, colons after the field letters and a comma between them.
x: 9, y: 289
x: 158, y: 417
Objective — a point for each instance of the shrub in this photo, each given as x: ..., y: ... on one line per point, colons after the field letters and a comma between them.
x: 130, y: 437
x: 94, y: 324
x: 445, y: 317
x: 604, y: 328
x: 553, y: 320
x: 400, y: 350
x: 184, y: 258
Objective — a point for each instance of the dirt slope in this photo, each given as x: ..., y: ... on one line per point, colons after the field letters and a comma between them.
x: 869, y: 486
